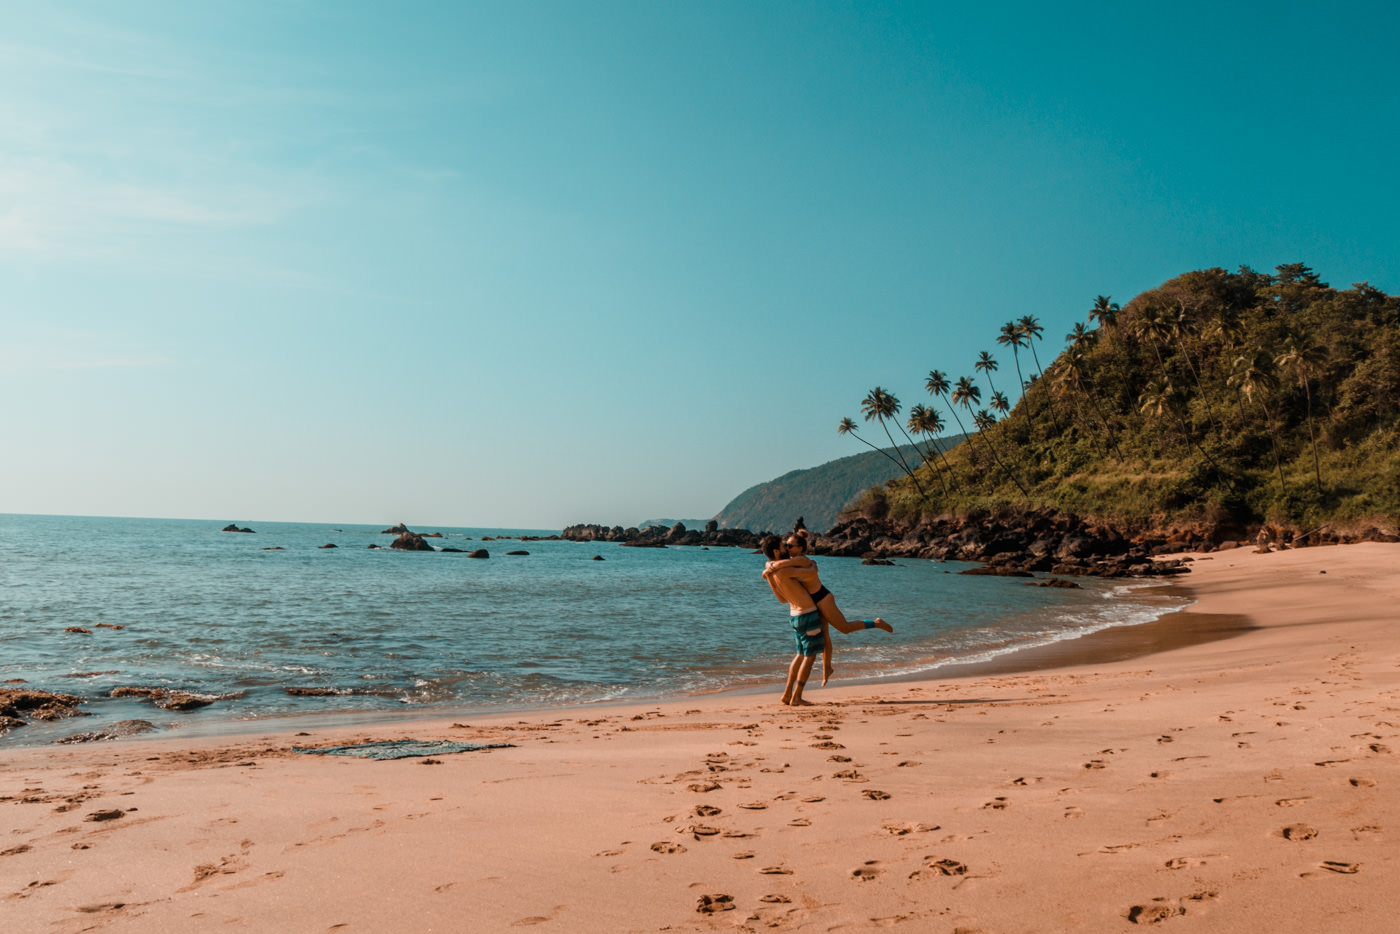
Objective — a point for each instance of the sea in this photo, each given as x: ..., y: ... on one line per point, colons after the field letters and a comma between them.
x: 379, y: 634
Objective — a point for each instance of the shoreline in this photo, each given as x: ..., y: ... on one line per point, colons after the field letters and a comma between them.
x: 1239, y: 783
x: 1116, y: 642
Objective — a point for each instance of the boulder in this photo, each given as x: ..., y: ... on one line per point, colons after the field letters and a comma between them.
x: 233, y: 527
x: 479, y: 553
x: 517, y: 552
x: 395, y: 530
x: 330, y: 545
x: 112, y: 731
x: 23, y: 703
x: 411, y: 541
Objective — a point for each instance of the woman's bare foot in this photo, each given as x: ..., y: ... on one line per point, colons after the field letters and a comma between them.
x: 881, y: 624
x: 802, y: 702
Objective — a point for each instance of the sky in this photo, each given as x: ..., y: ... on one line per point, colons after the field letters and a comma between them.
x: 528, y: 264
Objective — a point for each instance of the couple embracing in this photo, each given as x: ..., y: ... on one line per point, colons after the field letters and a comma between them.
x: 793, y: 577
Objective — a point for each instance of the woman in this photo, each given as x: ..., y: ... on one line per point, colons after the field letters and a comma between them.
x: 791, y: 562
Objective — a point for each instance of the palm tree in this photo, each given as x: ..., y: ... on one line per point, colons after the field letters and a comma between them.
x: 1032, y: 331
x: 882, y: 406
x: 925, y: 421
x: 1104, y: 312
x: 966, y: 394
x: 1081, y: 338
x: 1254, y: 372
x: 999, y: 403
x: 1158, y: 399
x: 848, y: 427
x: 1304, y: 357
x: 1011, y: 336
x: 987, y: 365
x: 938, y: 387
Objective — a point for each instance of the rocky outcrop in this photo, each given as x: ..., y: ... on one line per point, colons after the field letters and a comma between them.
x: 233, y: 527
x: 112, y: 731
x: 168, y: 699
x: 395, y: 530
x: 657, y: 536
x: 18, y: 706
x: 411, y: 541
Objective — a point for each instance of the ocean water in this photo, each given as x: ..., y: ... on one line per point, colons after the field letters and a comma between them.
x: 394, y: 633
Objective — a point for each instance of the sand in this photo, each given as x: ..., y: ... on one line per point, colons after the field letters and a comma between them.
x: 1241, y: 784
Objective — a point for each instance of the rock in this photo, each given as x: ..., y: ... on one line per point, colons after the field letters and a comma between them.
x: 233, y: 527
x: 78, y: 629
x: 112, y: 731
x: 411, y: 541
x: 517, y: 552
x: 879, y: 562
x: 1056, y: 582
x: 433, y: 535
x: 480, y: 553
x: 454, y: 550
x: 329, y: 545
x: 22, y: 704
x: 395, y: 530
x: 375, y: 548
x: 280, y: 548
x: 167, y: 699
x: 597, y: 558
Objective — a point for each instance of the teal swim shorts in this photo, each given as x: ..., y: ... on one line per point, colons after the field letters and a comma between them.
x: 807, y: 629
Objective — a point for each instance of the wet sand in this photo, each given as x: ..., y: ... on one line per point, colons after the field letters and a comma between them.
x: 1231, y: 768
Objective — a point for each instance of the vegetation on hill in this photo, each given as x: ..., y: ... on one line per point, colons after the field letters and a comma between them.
x: 817, y: 494
x: 1218, y: 397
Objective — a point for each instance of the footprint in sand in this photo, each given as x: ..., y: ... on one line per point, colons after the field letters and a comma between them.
x: 827, y: 745
x: 743, y: 854
x: 838, y: 758
x: 1380, y: 749
x: 874, y: 795
x: 1186, y: 862
x: 1298, y: 832
x: 799, y: 822
x: 996, y: 804
x: 1155, y: 913
x: 708, y: 786
x: 776, y: 871
x: 907, y: 764
x: 869, y: 871
x: 709, y: 904
x: 1096, y: 764
x: 1362, y: 782
x: 1292, y: 802
x: 813, y: 799
x: 1073, y: 812
x: 940, y: 866
x: 705, y: 810
x: 1336, y: 866
x: 754, y: 806
x: 700, y: 831
x: 775, y: 899
x: 1360, y: 833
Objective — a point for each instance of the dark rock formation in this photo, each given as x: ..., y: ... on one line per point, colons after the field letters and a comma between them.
x: 233, y: 527
x: 597, y: 558
x: 78, y: 629
x: 330, y: 545
x: 452, y: 550
x: 411, y: 541
x: 659, y: 536
x: 20, y: 705
x: 395, y: 530
x: 112, y: 731
x: 167, y: 699
x: 517, y: 552
x: 480, y: 553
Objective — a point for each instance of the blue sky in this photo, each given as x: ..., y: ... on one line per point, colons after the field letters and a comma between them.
x: 530, y: 264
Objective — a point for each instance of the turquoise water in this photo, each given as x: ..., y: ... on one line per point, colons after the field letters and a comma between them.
x: 221, y: 614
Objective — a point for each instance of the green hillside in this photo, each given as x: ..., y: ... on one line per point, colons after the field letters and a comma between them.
x: 1218, y: 398
x: 817, y: 494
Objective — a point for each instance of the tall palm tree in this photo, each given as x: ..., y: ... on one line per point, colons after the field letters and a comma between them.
x: 1031, y: 331
x: 848, y: 427
x: 925, y: 421
x: 1010, y: 336
x: 986, y: 365
x: 1105, y: 312
x: 938, y: 387
x: 1160, y: 398
x: 882, y: 406
x: 1081, y: 338
x: 966, y: 394
x: 1254, y: 373
x: 1304, y: 358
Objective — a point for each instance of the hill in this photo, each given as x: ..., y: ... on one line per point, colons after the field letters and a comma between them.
x: 1217, y: 399
x: 817, y: 494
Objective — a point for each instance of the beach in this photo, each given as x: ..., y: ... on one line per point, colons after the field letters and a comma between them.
x: 1242, y: 782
